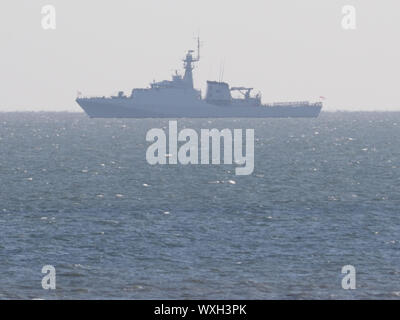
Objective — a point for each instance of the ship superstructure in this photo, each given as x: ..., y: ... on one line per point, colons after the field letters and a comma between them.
x: 177, y: 98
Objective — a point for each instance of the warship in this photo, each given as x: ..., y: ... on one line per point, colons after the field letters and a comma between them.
x: 177, y: 98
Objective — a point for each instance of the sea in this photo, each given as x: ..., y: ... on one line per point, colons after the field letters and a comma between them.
x: 78, y: 194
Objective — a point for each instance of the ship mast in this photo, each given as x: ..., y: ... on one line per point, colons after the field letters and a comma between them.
x: 189, y: 66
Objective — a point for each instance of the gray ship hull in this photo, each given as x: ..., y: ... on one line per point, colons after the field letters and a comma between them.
x: 126, y: 108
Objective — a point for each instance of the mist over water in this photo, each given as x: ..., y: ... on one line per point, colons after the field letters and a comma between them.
x: 77, y: 193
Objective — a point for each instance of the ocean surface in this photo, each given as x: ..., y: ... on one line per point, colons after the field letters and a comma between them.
x: 78, y: 194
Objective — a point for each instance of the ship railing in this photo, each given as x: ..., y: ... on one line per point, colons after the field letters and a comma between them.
x: 293, y: 103
x: 290, y: 103
x: 93, y: 97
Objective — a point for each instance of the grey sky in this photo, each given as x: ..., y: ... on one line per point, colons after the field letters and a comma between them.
x: 288, y: 50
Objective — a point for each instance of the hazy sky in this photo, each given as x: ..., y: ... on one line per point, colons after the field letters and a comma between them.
x: 287, y: 49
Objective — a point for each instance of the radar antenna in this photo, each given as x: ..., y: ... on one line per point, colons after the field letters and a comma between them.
x: 198, y: 49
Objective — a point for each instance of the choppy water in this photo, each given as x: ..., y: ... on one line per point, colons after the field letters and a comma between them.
x: 78, y: 194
